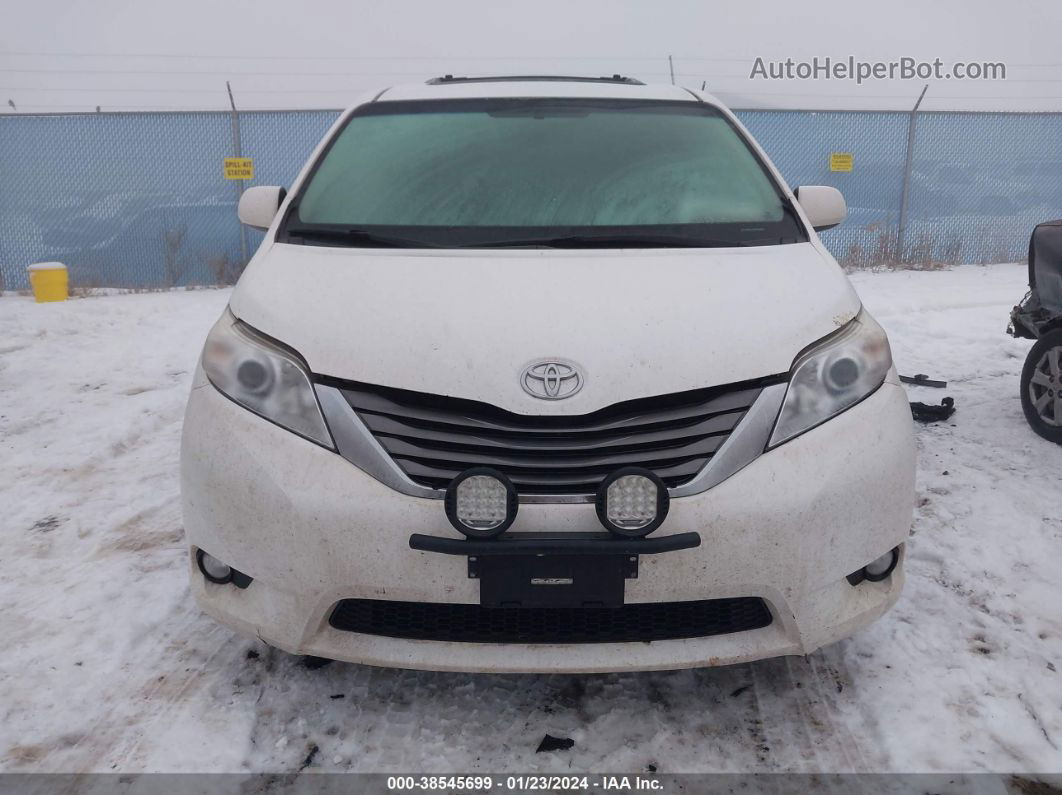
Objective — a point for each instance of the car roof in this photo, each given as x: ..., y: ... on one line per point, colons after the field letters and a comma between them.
x: 534, y: 86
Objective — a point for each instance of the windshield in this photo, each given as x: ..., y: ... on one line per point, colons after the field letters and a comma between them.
x: 550, y: 172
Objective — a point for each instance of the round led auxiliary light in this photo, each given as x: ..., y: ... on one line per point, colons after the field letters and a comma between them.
x: 632, y: 502
x: 481, y: 502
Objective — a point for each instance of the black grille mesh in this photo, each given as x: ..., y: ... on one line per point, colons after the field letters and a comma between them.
x: 474, y: 624
x: 434, y: 438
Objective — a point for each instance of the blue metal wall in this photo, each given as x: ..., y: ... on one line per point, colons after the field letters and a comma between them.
x: 138, y: 199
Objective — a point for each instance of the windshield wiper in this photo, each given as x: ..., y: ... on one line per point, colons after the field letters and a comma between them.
x: 355, y: 237
x: 633, y: 240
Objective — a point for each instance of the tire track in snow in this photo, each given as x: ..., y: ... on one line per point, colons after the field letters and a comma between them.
x: 174, y: 689
x: 790, y: 727
x: 828, y: 685
x: 807, y: 732
x: 112, y: 738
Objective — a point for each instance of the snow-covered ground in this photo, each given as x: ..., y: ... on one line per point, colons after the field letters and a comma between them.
x: 107, y: 664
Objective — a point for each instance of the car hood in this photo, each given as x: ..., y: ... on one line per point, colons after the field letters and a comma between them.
x: 636, y: 322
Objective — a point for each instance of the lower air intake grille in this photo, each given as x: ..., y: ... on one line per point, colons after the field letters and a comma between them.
x: 474, y: 624
x: 434, y: 438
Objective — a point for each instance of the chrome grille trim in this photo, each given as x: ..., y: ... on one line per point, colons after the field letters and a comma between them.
x: 357, y: 444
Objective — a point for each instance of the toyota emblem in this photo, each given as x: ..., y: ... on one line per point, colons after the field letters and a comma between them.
x: 551, y: 379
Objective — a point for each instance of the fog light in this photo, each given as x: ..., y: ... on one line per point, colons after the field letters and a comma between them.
x: 632, y: 502
x: 213, y: 569
x: 879, y: 569
x: 481, y: 503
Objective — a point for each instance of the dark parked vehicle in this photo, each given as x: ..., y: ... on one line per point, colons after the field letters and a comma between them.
x: 1039, y: 317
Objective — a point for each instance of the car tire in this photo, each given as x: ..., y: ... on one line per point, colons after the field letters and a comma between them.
x: 1041, y: 387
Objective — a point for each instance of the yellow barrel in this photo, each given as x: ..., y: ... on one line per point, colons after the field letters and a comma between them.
x: 49, y: 281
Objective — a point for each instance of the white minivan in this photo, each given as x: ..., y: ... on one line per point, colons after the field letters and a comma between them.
x: 545, y: 374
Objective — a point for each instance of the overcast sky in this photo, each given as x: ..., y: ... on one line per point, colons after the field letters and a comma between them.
x: 141, y: 54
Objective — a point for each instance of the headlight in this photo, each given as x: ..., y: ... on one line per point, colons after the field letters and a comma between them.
x: 832, y: 376
x: 263, y: 377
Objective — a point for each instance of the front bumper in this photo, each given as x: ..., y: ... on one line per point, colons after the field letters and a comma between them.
x: 312, y: 529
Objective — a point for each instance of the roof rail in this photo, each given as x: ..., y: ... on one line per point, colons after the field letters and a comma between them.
x: 630, y: 81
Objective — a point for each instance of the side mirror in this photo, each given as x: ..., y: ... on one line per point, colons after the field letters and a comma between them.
x: 258, y: 205
x: 824, y: 206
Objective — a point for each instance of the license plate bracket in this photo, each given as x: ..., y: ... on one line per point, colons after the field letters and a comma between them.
x: 552, y: 580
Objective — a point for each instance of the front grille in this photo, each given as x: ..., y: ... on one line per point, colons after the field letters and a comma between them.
x: 630, y: 623
x: 434, y: 438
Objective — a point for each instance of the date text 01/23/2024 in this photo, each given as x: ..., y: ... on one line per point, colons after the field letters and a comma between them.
x: 533, y: 783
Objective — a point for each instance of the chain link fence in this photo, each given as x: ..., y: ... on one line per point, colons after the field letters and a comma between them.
x: 138, y: 200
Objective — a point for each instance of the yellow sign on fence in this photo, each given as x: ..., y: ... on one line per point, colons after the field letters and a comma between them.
x: 841, y: 161
x: 239, y: 168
